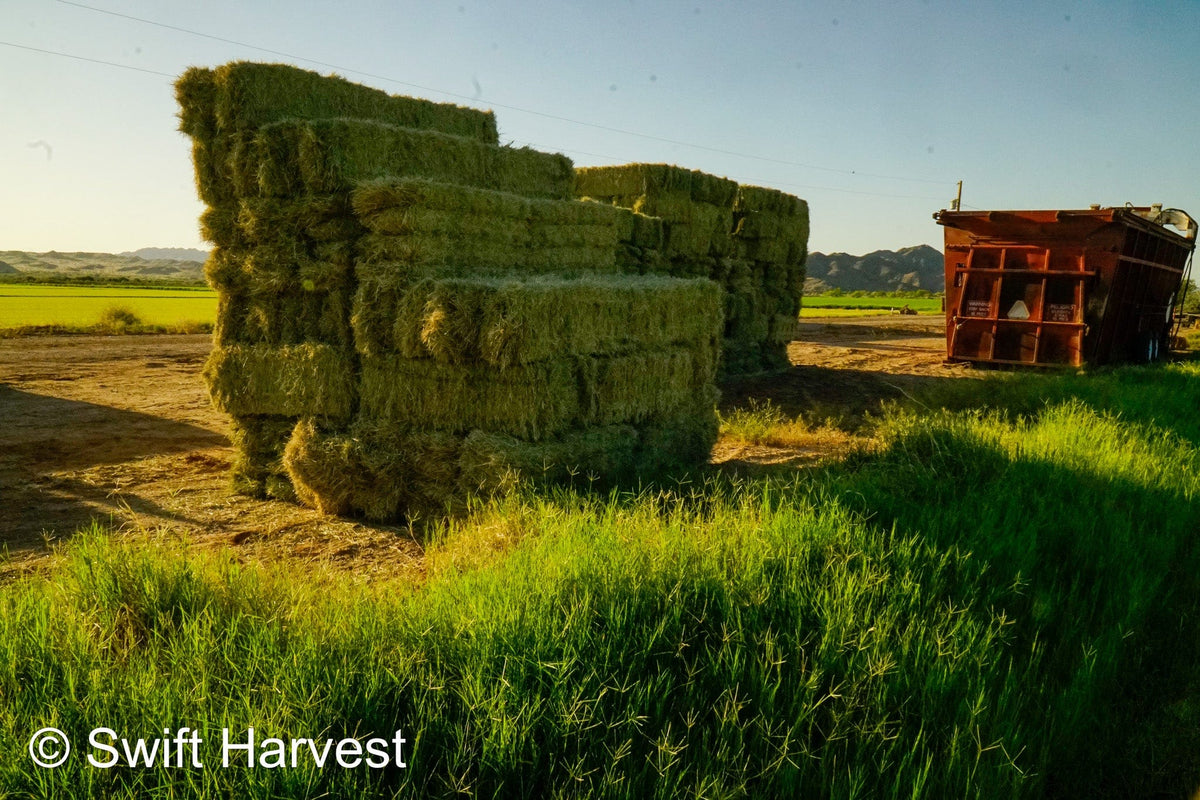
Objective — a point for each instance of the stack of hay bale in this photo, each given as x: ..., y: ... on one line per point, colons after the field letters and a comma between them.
x: 410, y: 313
x: 751, y: 240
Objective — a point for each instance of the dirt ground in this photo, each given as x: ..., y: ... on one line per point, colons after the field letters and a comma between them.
x: 120, y: 429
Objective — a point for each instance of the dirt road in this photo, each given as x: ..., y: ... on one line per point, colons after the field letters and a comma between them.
x: 120, y: 429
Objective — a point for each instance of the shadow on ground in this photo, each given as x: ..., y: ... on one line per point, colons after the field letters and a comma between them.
x: 842, y: 397
x: 44, y: 437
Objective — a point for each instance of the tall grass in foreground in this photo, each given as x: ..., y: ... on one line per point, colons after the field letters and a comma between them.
x: 988, y: 606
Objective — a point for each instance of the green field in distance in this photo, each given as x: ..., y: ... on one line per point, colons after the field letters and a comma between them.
x: 828, y: 306
x: 80, y: 306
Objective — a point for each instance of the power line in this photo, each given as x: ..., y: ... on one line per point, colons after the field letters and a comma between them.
x: 544, y: 115
x: 89, y: 60
x: 753, y: 181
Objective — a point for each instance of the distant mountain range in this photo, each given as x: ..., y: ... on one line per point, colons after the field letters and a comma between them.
x: 169, y: 254
x: 920, y: 267
x: 174, y: 264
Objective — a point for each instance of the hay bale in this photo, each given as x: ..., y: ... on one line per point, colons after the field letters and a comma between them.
x: 334, y: 155
x: 770, y: 201
x: 406, y: 256
x: 225, y: 269
x: 681, y: 442
x: 653, y: 181
x: 245, y: 96
x: 247, y: 316
x: 309, y: 218
x: 380, y: 471
x: 219, y: 225
x: 594, y: 457
x: 298, y: 380
x: 231, y: 325
x: 213, y: 186
x: 258, y: 444
x: 196, y: 93
x: 771, y: 225
x: 292, y: 266
x: 382, y: 205
x: 783, y: 328
x: 518, y: 320
x: 644, y: 386
x: 533, y: 401
x: 696, y: 209
x: 741, y: 357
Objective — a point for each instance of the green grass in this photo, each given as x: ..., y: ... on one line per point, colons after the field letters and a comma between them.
x: 81, y: 307
x: 847, y: 306
x: 764, y: 423
x: 1000, y: 600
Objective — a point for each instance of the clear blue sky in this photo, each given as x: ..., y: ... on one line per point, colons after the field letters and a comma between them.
x: 870, y: 111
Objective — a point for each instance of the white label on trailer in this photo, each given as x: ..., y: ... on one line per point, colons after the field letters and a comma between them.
x: 978, y: 308
x: 1060, y: 312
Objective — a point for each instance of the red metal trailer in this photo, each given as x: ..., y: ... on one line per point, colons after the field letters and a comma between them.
x: 1063, y: 288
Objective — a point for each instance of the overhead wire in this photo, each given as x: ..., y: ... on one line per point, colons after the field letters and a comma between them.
x: 85, y: 58
x: 740, y: 178
x: 544, y: 115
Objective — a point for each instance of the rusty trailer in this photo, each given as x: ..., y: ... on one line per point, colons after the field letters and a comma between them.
x: 1063, y: 288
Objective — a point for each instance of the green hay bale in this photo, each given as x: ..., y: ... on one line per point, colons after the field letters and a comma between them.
x: 249, y: 95
x: 230, y: 326
x: 528, y: 232
x: 647, y: 231
x: 532, y: 401
x: 797, y: 273
x: 379, y: 471
x: 280, y: 310
x: 375, y: 306
x: 671, y: 207
x: 654, y: 180
x: 645, y: 386
x: 196, y: 93
x: 693, y: 225
x: 405, y: 256
x: 641, y: 261
x: 680, y: 442
x: 297, y: 380
x: 212, y: 186
x: 771, y: 201
x: 225, y: 269
x: 752, y: 328
x: 334, y: 155
x: 289, y: 266
x: 783, y: 328
x: 258, y: 444
x: 246, y: 318
x: 389, y: 196
x: 214, y: 160
x: 754, y: 225
x: 741, y: 357
x: 219, y: 225
x: 592, y: 457
x: 706, y: 234
x: 447, y: 324
x: 507, y: 321
x: 314, y: 218
x: 769, y: 250
x: 631, y: 179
